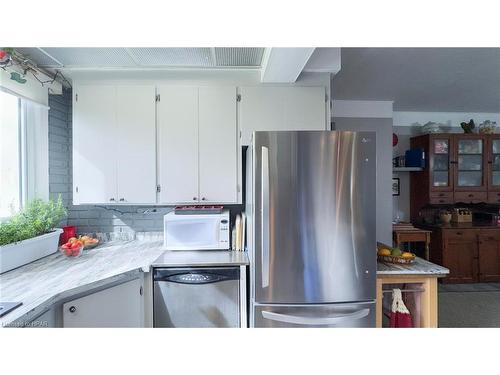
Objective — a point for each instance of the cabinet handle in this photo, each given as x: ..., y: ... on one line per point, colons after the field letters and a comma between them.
x: 141, y: 291
x: 111, y: 199
x: 194, y: 198
x: 441, y: 201
x: 459, y: 233
x: 72, y: 309
x: 203, y: 199
x: 441, y: 195
x: 470, y: 195
x: 122, y: 199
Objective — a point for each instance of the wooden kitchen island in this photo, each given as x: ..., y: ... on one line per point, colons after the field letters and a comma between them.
x: 419, y: 277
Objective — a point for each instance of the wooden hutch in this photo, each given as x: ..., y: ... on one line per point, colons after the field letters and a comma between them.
x: 460, y: 168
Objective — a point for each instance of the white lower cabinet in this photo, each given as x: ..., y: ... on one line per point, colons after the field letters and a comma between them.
x: 118, y: 306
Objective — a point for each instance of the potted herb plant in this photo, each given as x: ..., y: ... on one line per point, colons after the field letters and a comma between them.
x: 31, y: 234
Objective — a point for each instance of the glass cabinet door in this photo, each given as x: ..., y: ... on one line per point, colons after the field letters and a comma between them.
x: 495, y: 164
x: 470, y: 163
x: 440, y: 163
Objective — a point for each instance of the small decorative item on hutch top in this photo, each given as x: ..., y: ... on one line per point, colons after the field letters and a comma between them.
x: 468, y: 126
x: 487, y: 127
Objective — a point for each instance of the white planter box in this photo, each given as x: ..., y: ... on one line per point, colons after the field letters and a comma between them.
x: 19, y: 253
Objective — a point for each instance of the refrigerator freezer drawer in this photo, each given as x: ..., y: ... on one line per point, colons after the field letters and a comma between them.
x: 340, y: 315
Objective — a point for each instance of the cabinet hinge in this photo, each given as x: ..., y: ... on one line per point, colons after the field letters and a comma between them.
x: 238, y: 97
x: 76, y: 97
x: 326, y: 98
x: 158, y: 188
x: 157, y: 98
x: 77, y: 189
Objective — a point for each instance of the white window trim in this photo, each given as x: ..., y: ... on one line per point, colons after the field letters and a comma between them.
x: 33, y: 146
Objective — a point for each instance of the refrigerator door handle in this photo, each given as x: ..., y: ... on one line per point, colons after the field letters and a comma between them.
x: 265, y: 217
x: 307, y: 320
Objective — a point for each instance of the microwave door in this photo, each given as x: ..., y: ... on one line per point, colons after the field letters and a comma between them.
x: 188, y: 233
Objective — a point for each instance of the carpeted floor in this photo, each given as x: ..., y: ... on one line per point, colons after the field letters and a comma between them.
x: 469, y: 305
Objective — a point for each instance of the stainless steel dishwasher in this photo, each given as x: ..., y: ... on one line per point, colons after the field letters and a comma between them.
x: 196, y: 297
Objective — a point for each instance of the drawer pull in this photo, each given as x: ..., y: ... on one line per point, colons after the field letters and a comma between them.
x: 441, y: 195
x: 470, y: 195
x: 458, y: 233
x: 441, y: 201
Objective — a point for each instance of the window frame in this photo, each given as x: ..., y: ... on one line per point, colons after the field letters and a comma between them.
x: 22, y: 153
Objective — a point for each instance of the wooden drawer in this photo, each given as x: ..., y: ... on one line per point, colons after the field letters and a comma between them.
x: 494, y: 197
x: 454, y: 234
x: 443, y: 197
x: 471, y: 196
x: 489, y: 235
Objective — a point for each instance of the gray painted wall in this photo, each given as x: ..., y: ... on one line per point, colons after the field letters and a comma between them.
x: 383, y: 128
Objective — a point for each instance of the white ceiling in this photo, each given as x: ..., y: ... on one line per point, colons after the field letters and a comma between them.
x: 422, y: 79
x: 84, y: 58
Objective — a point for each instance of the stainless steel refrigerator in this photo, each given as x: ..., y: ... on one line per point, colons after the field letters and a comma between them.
x: 310, y: 202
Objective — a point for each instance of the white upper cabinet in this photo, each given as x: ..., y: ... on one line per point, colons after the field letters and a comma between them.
x: 178, y: 144
x: 114, y: 144
x: 135, y: 141
x: 197, y: 145
x: 281, y: 108
x: 94, y: 128
x: 218, y: 145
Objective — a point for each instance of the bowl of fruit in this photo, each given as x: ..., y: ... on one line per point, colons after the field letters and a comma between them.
x: 88, y: 242
x: 72, y: 249
x: 394, y: 255
x: 75, y: 246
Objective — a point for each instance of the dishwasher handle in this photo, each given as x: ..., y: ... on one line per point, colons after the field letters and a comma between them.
x: 196, y: 276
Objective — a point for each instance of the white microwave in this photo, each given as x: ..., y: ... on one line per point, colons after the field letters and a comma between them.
x: 196, y: 231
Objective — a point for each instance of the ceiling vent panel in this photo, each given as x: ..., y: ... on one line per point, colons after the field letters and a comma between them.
x: 38, y: 57
x: 239, y: 56
x: 91, y: 57
x: 172, y: 57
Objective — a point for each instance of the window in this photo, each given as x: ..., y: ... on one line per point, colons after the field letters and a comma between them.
x: 23, y: 153
x: 10, y: 155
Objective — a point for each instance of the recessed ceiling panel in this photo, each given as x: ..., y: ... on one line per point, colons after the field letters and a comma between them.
x: 189, y: 57
x: 37, y: 56
x: 91, y: 57
x: 238, y: 56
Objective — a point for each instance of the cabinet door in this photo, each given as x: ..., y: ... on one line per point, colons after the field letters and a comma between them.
x: 178, y: 144
x: 460, y: 256
x: 493, y: 155
x: 281, y: 108
x: 489, y: 256
x: 135, y: 142
x: 118, y: 306
x: 470, y: 162
x: 440, y: 155
x: 94, y: 130
x: 218, y: 150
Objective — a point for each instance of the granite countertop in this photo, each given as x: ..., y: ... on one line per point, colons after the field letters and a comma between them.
x: 201, y: 258
x: 40, y: 284
x: 418, y: 267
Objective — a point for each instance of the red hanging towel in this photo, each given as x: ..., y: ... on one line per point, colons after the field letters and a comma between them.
x: 400, y: 316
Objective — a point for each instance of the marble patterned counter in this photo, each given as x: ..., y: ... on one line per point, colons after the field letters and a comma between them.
x: 419, y: 267
x: 41, y: 284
